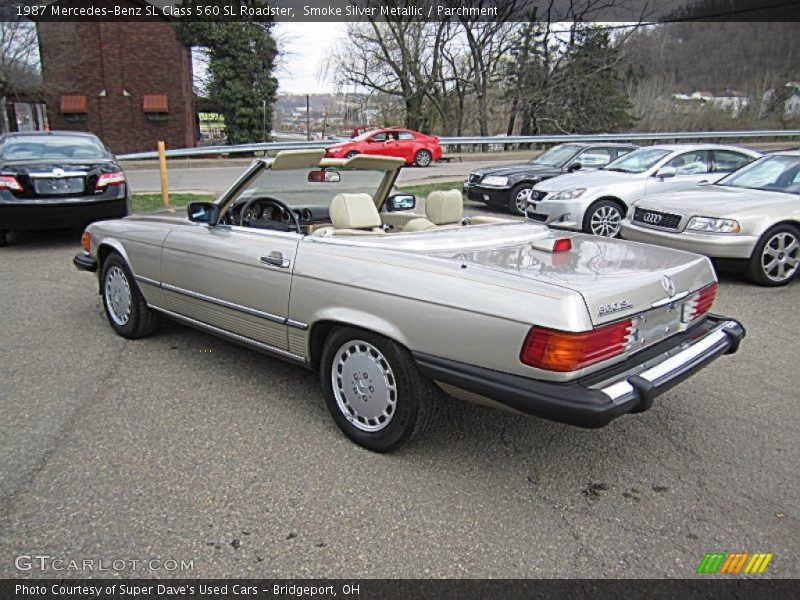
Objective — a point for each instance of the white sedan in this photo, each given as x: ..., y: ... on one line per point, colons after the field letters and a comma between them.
x: 596, y: 202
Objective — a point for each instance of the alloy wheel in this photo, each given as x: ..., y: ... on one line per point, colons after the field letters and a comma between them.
x: 118, y: 296
x: 780, y: 257
x: 605, y: 221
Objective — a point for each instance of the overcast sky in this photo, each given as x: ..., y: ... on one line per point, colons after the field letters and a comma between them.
x: 305, y: 47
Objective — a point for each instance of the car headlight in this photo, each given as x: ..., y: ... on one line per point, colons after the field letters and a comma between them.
x: 712, y: 225
x: 492, y: 180
x: 568, y: 194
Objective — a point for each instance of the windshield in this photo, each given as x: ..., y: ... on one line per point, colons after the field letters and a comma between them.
x: 556, y: 156
x: 293, y: 188
x: 57, y: 147
x: 773, y: 173
x: 637, y: 161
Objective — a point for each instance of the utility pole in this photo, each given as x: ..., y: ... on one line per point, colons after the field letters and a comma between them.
x: 264, y: 123
x: 308, y: 118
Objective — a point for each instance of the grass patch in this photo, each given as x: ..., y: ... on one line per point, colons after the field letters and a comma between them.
x: 422, y: 191
x: 151, y: 202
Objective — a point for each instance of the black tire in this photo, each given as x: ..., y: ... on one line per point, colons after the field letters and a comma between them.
x: 423, y: 158
x: 600, y: 208
x: 3, y: 238
x: 757, y: 271
x: 351, y: 154
x: 416, y: 398
x: 140, y: 320
x: 514, y: 200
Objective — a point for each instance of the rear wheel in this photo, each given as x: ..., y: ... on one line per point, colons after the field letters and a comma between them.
x: 518, y: 201
x: 603, y: 218
x: 374, y: 391
x: 351, y: 154
x: 776, y: 257
x: 423, y: 158
x: 125, y: 307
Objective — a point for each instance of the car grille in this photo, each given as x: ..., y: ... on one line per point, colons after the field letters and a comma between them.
x: 537, y: 196
x: 654, y: 218
x: 474, y: 178
x: 537, y: 217
x: 58, y: 186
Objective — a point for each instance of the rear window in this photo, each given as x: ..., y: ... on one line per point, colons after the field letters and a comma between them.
x: 46, y: 147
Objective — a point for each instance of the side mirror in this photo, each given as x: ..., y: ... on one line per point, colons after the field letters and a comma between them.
x: 398, y: 202
x: 665, y: 172
x: 203, y: 212
x: 576, y: 166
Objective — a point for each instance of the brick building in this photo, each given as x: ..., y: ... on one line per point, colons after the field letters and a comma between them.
x: 128, y: 83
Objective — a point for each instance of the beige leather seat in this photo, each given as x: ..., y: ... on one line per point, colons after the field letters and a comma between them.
x: 442, y: 209
x: 352, y: 214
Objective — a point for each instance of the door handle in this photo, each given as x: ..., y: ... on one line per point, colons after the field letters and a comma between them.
x: 276, y: 259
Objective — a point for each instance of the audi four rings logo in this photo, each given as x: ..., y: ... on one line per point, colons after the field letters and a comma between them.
x: 653, y: 218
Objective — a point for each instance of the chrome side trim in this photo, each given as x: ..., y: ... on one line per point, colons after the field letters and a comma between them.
x: 234, y: 336
x: 238, y: 307
x: 147, y: 280
x: 666, y: 301
x: 225, y: 303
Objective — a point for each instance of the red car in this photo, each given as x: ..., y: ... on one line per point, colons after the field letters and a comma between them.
x: 414, y: 147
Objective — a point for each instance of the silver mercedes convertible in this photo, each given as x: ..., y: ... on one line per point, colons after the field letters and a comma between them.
x: 316, y: 261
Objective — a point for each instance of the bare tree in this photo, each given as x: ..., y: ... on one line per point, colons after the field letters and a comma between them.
x: 19, y: 51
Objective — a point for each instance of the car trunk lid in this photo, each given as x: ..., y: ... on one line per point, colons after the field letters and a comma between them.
x: 56, y: 180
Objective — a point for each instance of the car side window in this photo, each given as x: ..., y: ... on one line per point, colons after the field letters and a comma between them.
x: 378, y: 137
x: 594, y: 158
x: 405, y: 135
x: 690, y: 163
x: 728, y: 160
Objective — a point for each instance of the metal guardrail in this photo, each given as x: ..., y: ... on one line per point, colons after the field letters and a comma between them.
x: 481, y: 141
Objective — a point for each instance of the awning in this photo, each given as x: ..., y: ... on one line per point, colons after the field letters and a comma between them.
x: 156, y: 103
x: 74, y: 104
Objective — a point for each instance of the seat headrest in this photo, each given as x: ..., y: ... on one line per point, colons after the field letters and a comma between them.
x: 444, y: 207
x: 354, y: 211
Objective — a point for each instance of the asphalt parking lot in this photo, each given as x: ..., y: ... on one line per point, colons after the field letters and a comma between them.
x: 186, y: 447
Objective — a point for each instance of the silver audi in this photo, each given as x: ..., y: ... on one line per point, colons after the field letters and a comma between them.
x: 751, y: 217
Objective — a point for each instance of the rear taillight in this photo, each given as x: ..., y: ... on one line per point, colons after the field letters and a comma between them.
x: 106, y: 179
x: 565, y: 351
x: 699, y: 303
x: 7, y: 182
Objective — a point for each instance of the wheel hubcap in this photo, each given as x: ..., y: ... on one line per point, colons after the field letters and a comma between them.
x: 780, y: 257
x: 605, y: 221
x: 118, y: 296
x: 521, y: 199
x: 424, y: 159
x: 364, y: 386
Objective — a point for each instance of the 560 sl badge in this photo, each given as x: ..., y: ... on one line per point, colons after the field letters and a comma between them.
x: 617, y: 306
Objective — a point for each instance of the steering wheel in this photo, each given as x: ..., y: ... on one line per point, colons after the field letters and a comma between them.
x: 275, y: 202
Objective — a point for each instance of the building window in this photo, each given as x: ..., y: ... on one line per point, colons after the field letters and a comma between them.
x: 156, y: 107
x: 74, y: 108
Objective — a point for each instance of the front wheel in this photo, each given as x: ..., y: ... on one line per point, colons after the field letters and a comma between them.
x: 125, y: 307
x: 776, y: 257
x: 423, y: 158
x: 351, y: 154
x: 518, y: 200
x: 374, y: 391
x: 603, y: 218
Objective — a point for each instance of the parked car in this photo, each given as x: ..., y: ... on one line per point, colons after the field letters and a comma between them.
x: 58, y: 180
x: 413, y: 147
x: 509, y: 186
x: 596, y: 202
x: 309, y: 259
x: 751, y: 216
